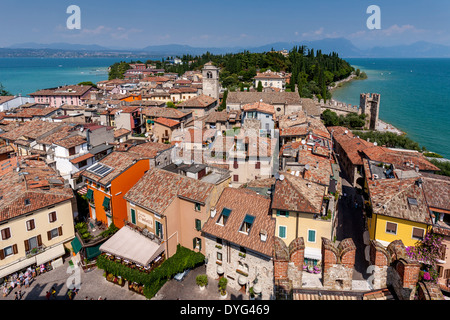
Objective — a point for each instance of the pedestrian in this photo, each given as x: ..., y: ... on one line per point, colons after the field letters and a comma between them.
x: 20, y: 294
x: 53, y: 293
x: 47, y: 295
x: 16, y: 296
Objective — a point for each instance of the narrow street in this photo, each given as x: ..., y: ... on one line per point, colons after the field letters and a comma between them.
x: 351, y: 225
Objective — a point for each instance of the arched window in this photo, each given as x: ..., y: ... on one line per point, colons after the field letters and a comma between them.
x: 209, y: 75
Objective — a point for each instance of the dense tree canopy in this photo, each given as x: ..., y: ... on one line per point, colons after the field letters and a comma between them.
x: 312, y: 71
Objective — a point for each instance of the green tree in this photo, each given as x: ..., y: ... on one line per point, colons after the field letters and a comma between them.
x: 260, y: 87
x: 223, y: 104
x: 3, y: 92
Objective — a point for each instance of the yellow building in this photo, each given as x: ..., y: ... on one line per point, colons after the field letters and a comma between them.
x: 36, y: 215
x: 300, y: 208
x: 396, y: 205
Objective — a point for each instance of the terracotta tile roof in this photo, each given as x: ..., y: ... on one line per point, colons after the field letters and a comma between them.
x: 437, y: 190
x: 117, y: 161
x: 157, y: 189
x: 183, y: 90
x: 72, y: 90
x: 244, y: 202
x: 167, y: 122
x: 286, y: 121
x: 351, y: 144
x: 4, y: 99
x: 21, y: 194
x: 121, y: 132
x: 216, y: 116
x: 82, y: 158
x: 268, y: 75
x: 30, y: 129
x: 294, y: 193
x: 260, y: 107
x: 149, y: 149
x: 201, y: 101
x: 70, y: 141
x: 272, y: 98
x: 391, y: 197
x: 170, y: 113
x: 32, y: 112
x: 400, y: 158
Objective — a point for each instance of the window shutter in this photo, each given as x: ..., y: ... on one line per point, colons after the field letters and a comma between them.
x: 198, y: 224
x: 39, y: 240
x: 49, y: 235
x: 2, y: 254
x: 60, y: 231
x: 27, y: 245
x: 282, y: 232
x: 15, y: 248
x: 194, y: 242
x: 199, y: 244
x: 447, y: 273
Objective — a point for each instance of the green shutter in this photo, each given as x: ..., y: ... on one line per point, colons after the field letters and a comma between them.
x: 106, y: 201
x: 90, y: 194
x: 194, y: 243
x: 312, y: 236
x: 282, y: 232
x: 198, y: 224
x: 133, y: 216
x: 199, y: 244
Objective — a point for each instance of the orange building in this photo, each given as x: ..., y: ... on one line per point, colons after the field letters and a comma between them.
x: 132, y: 97
x: 108, y: 180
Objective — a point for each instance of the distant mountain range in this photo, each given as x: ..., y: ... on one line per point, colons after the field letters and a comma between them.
x: 344, y: 47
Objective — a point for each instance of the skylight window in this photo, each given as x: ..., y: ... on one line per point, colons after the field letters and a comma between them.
x: 224, y: 216
x: 413, y: 201
x: 247, y: 223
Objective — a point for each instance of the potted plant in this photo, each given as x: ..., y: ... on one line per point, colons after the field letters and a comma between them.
x: 202, y: 281
x: 252, y: 293
x: 223, y: 287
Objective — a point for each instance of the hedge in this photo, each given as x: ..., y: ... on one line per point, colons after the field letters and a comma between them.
x: 183, y: 259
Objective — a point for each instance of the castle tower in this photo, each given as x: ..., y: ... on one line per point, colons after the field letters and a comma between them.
x: 369, y: 104
x: 210, y: 80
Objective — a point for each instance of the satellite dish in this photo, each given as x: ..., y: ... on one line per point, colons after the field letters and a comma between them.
x: 281, y: 177
x: 306, y: 166
x: 303, y: 141
x: 375, y: 144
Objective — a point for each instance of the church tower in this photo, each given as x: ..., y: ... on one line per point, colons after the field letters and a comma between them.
x: 210, y: 80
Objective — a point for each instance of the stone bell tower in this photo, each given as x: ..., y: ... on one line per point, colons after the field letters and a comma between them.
x: 210, y: 80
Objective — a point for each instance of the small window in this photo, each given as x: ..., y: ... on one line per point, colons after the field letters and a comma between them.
x: 391, y: 228
x: 283, y: 213
x: 197, y: 207
x: 311, y: 235
x: 418, y: 233
x: 8, y: 251
x: 52, y: 216
x: 223, y: 217
x: 6, y: 234
x: 247, y: 224
x: 219, y: 256
x: 236, y: 178
x: 282, y: 232
x: 30, y: 225
x: 27, y: 202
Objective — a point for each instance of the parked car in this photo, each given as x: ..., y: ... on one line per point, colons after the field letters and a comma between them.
x: 180, y: 276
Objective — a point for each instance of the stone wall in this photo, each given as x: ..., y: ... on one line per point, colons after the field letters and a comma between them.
x: 240, y: 270
x: 338, y: 264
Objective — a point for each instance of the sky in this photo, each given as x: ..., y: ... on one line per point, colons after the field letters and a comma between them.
x: 136, y: 24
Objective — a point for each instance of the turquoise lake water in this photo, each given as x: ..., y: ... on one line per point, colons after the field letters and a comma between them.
x: 415, y: 97
x: 415, y: 93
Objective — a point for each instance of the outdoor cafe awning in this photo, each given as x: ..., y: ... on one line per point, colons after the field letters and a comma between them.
x: 133, y: 246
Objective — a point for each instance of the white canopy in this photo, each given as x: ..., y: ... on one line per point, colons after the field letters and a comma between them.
x: 131, y: 245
